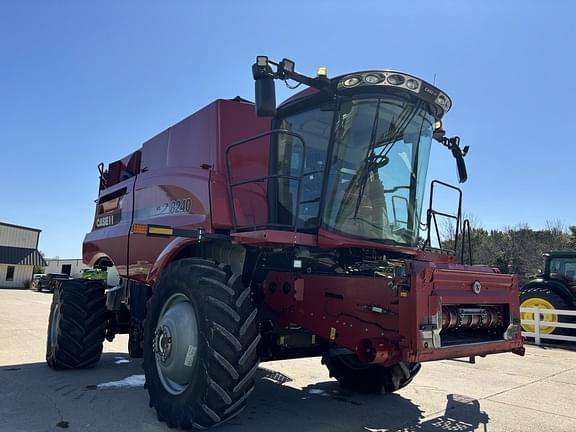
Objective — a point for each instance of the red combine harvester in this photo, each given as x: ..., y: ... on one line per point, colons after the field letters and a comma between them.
x: 249, y: 233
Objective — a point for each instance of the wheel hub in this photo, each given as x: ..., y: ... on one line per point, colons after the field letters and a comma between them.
x: 544, y: 305
x: 162, y: 343
x: 175, y: 343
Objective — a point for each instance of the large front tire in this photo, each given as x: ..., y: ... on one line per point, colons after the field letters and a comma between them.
x: 368, y: 378
x: 77, y: 325
x: 200, y: 342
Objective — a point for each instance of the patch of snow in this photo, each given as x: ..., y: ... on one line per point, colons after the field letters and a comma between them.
x: 130, y: 381
x: 316, y: 391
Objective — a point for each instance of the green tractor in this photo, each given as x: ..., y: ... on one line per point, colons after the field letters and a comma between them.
x: 94, y: 274
x: 555, y: 288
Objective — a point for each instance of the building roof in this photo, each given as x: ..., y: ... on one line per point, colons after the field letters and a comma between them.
x: 21, y: 256
x: 62, y: 259
x: 20, y: 226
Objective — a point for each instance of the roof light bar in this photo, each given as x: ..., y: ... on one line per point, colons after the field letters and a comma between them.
x: 397, y: 80
x: 381, y: 78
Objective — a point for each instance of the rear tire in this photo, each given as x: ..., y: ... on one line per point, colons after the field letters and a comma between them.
x: 77, y: 325
x: 209, y: 382
x: 354, y: 375
x: 544, y: 297
x: 135, y: 336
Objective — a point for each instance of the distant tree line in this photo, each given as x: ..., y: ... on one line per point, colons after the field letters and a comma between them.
x: 519, y: 249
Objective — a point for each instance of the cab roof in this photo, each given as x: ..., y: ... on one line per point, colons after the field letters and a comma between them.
x: 560, y: 254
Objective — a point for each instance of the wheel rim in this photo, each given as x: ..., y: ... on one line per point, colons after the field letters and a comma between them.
x: 54, y: 324
x: 175, y: 343
x: 544, y: 316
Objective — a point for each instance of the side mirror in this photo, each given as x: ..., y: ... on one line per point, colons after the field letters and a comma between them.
x: 265, y: 93
x: 460, y: 164
x: 453, y: 145
x: 264, y: 89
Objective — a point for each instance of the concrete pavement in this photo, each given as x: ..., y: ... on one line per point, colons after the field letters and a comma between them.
x: 499, y: 393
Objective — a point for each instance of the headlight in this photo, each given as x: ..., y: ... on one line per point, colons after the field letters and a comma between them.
x: 351, y: 82
x: 412, y: 84
x: 443, y: 101
x: 372, y: 79
x: 396, y: 79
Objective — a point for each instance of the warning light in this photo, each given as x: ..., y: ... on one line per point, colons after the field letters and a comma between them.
x: 262, y: 61
x: 139, y: 229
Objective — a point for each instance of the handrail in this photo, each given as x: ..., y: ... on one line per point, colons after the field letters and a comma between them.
x: 431, y: 217
x: 466, y: 230
x: 297, y: 178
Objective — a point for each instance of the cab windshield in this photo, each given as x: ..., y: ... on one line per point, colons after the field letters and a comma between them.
x: 377, y: 172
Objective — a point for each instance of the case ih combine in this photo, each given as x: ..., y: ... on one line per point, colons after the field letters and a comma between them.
x: 248, y: 233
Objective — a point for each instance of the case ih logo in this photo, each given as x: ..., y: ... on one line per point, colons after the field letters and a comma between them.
x: 429, y: 91
x: 104, y: 221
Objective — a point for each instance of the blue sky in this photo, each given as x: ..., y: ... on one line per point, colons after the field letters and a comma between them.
x: 84, y: 82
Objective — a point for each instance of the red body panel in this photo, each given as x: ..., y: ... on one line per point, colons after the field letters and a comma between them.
x: 271, y: 238
x: 330, y: 240
x: 155, y: 192
x: 356, y: 312
x: 111, y: 240
x: 180, y: 182
x: 337, y: 308
x: 434, y: 285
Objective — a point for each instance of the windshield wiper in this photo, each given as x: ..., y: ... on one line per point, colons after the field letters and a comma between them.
x: 374, y: 161
x: 397, y: 131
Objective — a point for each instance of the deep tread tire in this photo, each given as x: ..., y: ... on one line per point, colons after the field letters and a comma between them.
x: 135, y: 349
x: 222, y: 376
x: 555, y: 299
x: 82, y: 325
x: 353, y: 375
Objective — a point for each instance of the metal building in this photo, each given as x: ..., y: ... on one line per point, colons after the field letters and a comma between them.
x: 18, y: 255
x: 71, y: 267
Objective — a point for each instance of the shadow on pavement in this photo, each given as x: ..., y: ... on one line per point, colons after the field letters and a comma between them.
x: 461, y: 414
x: 36, y: 398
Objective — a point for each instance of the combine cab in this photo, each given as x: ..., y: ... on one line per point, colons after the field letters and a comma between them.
x: 251, y: 232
